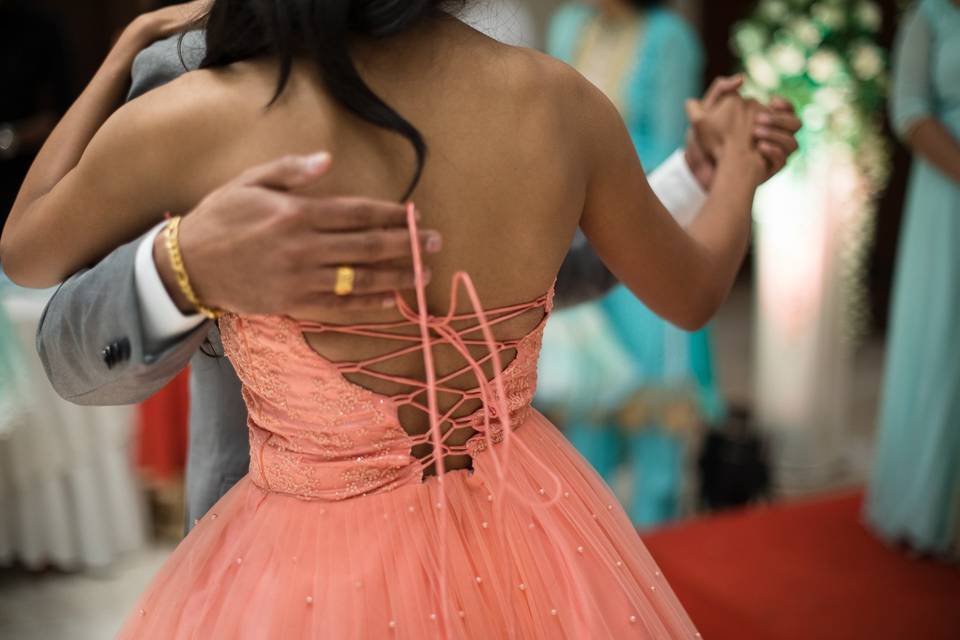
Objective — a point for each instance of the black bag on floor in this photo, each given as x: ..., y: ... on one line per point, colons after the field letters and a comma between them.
x: 734, y: 468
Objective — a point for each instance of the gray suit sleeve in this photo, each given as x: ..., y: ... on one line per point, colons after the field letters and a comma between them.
x: 91, y: 339
x: 583, y: 276
x: 166, y: 60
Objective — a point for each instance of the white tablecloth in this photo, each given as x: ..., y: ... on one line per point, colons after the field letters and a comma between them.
x: 68, y: 493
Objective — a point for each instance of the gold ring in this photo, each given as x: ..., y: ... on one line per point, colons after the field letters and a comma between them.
x: 345, y: 278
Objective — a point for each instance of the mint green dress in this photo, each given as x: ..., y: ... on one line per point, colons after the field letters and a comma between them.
x: 914, y: 493
x: 12, y: 370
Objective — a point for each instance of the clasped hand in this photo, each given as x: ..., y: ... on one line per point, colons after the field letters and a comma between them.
x: 723, y: 117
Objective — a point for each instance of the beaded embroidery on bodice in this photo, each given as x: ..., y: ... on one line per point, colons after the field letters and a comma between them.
x: 317, y: 436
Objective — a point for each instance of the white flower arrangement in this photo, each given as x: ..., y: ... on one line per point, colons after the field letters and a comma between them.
x: 867, y: 60
x: 869, y: 16
x: 762, y: 72
x: 800, y: 48
x: 775, y: 10
x: 824, y: 66
x: 788, y: 58
x: 823, y: 56
x: 804, y: 31
x: 830, y: 16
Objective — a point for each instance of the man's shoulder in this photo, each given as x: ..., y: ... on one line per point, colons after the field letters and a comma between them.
x: 166, y: 60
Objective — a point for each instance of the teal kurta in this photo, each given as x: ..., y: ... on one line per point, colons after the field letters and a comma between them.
x: 914, y: 494
x: 12, y: 368
x: 657, y: 75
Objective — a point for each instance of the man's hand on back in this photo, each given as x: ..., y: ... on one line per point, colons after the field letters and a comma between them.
x: 255, y: 246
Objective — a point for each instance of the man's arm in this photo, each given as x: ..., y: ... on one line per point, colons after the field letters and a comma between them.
x: 92, y: 343
x: 104, y: 338
x: 163, y: 320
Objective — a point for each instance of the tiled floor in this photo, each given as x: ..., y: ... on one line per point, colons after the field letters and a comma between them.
x: 57, y: 606
x: 82, y: 607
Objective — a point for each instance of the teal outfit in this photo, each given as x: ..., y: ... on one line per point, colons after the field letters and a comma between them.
x: 914, y: 492
x: 12, y: 365
x: 658, y: 73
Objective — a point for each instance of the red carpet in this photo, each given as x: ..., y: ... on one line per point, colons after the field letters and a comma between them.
x: 805, y: 570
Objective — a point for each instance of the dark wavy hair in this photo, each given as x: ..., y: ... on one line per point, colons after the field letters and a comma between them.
x: 320, y: 30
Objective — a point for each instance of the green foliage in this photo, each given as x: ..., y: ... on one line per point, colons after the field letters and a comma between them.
x: 823, y: 56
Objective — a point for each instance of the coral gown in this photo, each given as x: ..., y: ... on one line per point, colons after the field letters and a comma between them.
x: 338, y: 532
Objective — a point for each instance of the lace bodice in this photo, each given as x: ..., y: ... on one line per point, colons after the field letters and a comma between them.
x: 316, y: 435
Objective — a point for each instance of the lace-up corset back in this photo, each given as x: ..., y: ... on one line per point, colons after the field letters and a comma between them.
x: 316, y: 435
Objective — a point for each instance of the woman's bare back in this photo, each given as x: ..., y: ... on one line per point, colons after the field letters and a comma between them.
x: 498, y: 183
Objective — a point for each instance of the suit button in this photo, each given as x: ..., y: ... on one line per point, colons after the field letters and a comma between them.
x: 109, y: 356
x: 123, y: 349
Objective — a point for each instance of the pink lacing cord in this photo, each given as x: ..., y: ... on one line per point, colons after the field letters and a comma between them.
x: 494, y: 400
x: 448, y: 336
x: 442, y: 325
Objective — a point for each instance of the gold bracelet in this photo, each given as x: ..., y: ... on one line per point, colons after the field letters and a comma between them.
x: 172, y: 242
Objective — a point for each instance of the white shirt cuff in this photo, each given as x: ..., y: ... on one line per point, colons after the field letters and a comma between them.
x: 162, y: 319
x: 677, y: 188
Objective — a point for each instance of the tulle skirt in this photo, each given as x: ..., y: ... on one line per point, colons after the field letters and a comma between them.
x: 558, y: 562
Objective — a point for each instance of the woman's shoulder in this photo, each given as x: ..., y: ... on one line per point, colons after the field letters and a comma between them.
x: 545, y: 95
x: 182, y: 106
x: 547, y: 80
x: 196, y: 99
x: 166, y: 131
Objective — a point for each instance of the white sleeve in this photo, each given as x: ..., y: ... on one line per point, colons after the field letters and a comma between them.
x: 162, y: 319
x: 678, y: 189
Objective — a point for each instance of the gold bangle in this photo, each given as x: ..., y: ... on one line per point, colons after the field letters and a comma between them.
x: 172, y: 242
